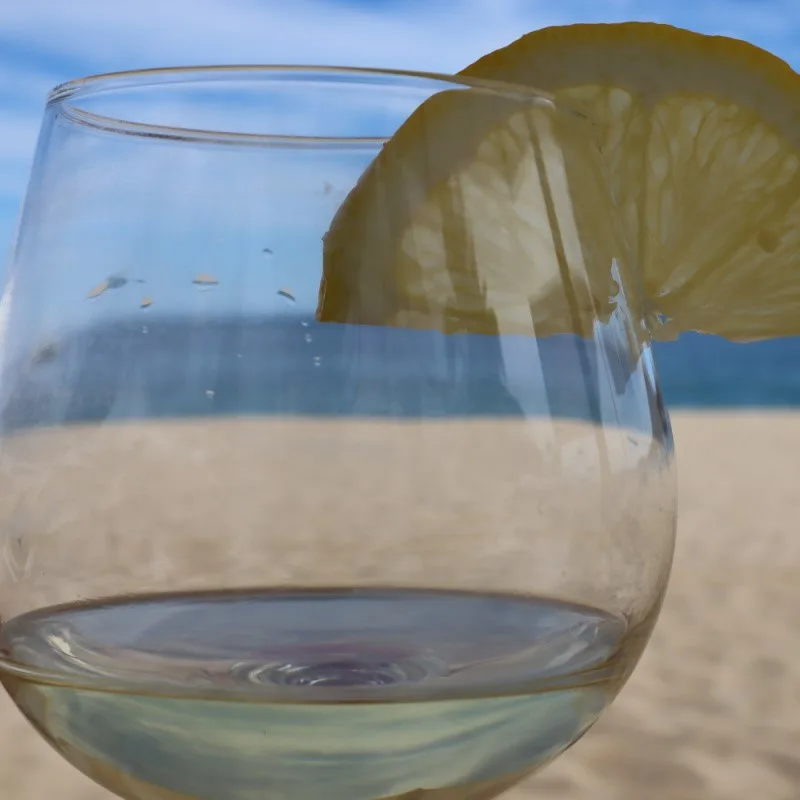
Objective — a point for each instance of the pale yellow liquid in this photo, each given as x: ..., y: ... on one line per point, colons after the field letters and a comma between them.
x: 335, y: 694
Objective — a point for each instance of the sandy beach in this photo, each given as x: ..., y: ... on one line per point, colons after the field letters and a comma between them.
x: 713, y: 710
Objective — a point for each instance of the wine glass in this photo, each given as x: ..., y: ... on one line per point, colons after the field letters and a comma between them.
x: 254, y: 550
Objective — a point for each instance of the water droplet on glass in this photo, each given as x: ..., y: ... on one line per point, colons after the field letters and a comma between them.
x: 309, y: 338
x: 768, y: 240
x: 111, y: 282
x: 45, y: 354
x: 209, y: 392
x: 287, y: 295
x: 317, y: 361
x: 98, y: 290
x: 203, y: 279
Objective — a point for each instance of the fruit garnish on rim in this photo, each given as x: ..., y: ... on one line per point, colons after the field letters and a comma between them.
x: 700, y: 138
x: 482, y: 212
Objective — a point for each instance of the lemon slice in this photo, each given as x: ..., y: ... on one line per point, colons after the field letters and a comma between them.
x: 701, y: 138
x: 487, y: 211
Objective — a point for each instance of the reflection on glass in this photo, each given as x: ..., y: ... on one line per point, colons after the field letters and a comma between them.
x: 250, y: 552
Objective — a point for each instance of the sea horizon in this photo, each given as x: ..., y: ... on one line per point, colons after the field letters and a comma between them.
x: 157, y: 366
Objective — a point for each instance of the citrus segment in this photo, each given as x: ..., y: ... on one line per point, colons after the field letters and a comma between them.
x: 484, y: 213
x: 700, y: 136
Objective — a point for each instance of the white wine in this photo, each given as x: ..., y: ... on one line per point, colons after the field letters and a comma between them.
x: 346, y: 694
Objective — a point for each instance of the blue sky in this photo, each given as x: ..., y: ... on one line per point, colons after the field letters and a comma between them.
x: 44, y: 42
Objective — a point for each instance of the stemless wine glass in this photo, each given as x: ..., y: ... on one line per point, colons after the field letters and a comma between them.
x: 250, y: 551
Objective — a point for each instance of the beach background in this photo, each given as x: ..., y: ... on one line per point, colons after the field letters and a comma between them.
x: 711, y: 713
x: 713, y: 710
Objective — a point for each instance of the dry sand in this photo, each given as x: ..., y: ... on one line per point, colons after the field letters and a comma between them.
x: 713, y: 711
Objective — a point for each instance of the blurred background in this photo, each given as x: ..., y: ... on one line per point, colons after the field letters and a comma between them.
x: 713, y: 712
x: 46, y: 42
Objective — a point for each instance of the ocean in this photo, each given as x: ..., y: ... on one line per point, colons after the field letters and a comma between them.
x: 156, y: 367
x: 701, y: 371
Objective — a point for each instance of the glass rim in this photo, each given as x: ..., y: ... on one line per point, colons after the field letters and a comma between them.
x: 73, y: 90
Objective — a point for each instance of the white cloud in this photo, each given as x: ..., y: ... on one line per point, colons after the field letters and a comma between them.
x: 438, y: 36
x: 55, y: 41
x: 89, y: 36
x: 19, y: 136
x: 29, y: 87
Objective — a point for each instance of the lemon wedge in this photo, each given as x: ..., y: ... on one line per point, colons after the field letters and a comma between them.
x: 488, y: 211
x: 490, y: 216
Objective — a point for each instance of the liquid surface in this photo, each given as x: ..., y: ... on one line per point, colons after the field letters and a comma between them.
x: 368, y: 693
